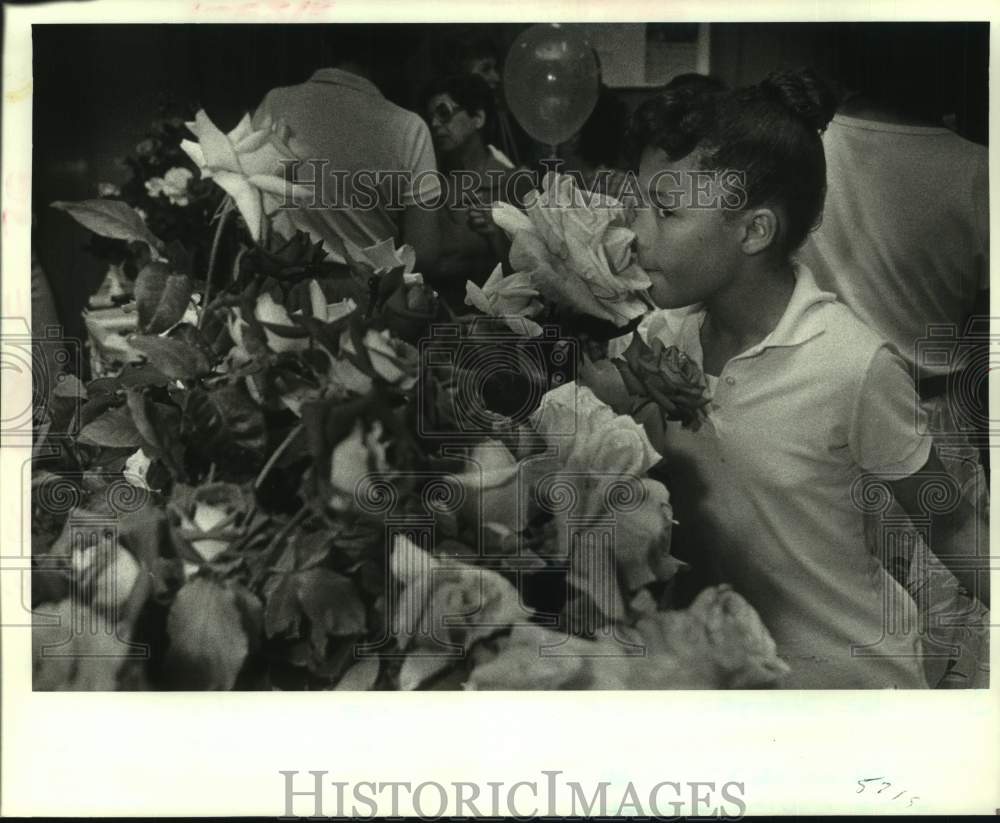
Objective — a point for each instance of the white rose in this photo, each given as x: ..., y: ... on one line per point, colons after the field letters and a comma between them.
x: 246, y: 163
x: 577, y: 250
x: 590, y: 436
x: 492, y: 489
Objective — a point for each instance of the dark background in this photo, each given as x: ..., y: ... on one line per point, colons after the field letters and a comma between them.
x: 97, y: 88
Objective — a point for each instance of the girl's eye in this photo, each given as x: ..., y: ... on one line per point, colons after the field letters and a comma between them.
x: 664, y: 213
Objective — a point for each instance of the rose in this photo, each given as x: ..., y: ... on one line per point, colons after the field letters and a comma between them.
x: 353, y: 458
x: 173, y: 185
x: 602, y: 456
x: 246, y: 163
x: 280, y: 331
x: 718, y: 643
x: 577, y: 250
x: 490, y: 488
x: 210, y: 518
x: 590, y: 436
x: 448, y: 601
x: 108, y: 576
x: 392, y: 360
x: 513, y: 298
x: 667, y: 377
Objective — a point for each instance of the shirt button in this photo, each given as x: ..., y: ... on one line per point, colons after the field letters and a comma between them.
x: 730, y: 381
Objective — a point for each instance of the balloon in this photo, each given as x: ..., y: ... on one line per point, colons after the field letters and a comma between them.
x: 551, y: 79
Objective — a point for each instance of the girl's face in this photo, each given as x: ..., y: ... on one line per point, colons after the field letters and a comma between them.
x: 685, y: 241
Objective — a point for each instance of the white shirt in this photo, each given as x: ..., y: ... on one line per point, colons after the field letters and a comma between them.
x: 342, y: 118
x: 904, y: 240
x: 764, y: 488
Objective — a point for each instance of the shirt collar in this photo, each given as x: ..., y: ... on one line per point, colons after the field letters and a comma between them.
x: 798, y: 323
x: 339, y: 77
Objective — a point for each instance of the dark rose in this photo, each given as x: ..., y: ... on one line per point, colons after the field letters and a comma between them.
x: 666, y: 376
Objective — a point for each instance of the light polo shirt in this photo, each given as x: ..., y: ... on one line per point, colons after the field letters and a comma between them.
x: 763, y: 490
x: 343, y: 119
x: 904, y: 240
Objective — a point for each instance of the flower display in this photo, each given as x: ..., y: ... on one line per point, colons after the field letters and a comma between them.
x: 314, y: 487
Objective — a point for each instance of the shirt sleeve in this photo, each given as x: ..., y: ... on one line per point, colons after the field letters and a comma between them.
x: 422, y: 183
x: 888, y: 434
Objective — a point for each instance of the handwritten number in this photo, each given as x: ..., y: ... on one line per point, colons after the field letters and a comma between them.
x: 861, y: 788
x: 884, y: 787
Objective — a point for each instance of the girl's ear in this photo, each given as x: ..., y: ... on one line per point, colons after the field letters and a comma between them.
x: 760, y: 230
x: 479, y: 119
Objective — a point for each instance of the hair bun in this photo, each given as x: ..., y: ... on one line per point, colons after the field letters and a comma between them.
x: 803, y: 93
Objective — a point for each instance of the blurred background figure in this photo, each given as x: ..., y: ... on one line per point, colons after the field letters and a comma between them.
x: 904, y: 239
x: 460, y: 111
x: 340, y: 116
x: 472, y: 52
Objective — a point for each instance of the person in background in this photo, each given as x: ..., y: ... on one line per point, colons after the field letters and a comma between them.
x: 805, y: 400
x: 339, y: 116
x: 460, y: 110
x: 472, y: 53
x: 905, y: 234
x: 904, y: 242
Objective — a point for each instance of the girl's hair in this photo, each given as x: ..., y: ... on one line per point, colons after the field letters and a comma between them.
x: 770, y: 133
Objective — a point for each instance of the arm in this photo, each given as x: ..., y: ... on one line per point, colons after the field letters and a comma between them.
x: 421, y: 230
x: 959, y: 537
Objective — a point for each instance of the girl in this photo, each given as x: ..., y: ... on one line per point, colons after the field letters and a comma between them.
x: 807, y: 403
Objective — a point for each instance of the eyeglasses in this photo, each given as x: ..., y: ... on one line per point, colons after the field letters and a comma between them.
x: 443, y: 113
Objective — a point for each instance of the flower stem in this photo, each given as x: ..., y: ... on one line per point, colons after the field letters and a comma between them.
x: 277, y: 455
x: 223, y: 218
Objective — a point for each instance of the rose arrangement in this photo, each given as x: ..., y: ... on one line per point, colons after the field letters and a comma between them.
x: 280, y: 488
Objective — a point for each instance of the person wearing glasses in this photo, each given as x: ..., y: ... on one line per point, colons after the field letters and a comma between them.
x: 459, y: 110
